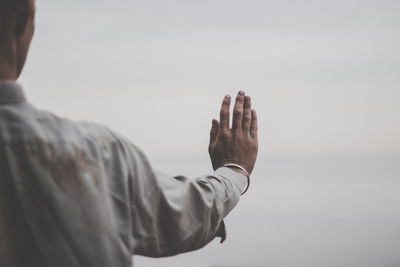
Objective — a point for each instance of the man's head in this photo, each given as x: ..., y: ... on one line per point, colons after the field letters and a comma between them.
x: 16, y: 32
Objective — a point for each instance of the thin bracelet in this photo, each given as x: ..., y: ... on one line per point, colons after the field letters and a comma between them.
x: 245, y: 171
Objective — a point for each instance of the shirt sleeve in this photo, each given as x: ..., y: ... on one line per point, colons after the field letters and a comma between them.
x: 171, y: 215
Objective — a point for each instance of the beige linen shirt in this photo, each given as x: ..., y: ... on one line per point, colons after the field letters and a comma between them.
x: 76, y: 193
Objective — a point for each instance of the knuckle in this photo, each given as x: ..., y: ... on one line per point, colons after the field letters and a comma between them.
x: 224, y: 113
x: 254, y: 145
x: 226, y: 133
x: 238, y: 110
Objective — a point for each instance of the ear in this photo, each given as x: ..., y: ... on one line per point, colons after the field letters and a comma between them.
x: 24, y: 14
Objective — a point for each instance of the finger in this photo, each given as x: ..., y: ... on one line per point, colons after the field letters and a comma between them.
x: 213, y: 131
x: 238, y: 111
x: 224, y: 113
x: 247, y: 114
x: 254, y: 124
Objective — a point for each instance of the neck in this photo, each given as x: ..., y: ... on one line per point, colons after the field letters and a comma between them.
x: 8, y: 61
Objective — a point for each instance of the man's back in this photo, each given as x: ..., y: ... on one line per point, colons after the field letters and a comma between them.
x: 56, y: 178
x: 78, y: 194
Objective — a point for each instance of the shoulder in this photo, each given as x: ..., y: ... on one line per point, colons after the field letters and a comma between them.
x: 27, y: 124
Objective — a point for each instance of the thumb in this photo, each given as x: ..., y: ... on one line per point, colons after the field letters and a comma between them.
x: 214, y: 131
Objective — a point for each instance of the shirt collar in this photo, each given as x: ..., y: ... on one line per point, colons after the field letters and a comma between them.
x: 11, y: 92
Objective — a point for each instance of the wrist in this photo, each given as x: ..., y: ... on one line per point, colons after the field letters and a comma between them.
x: 239, y: 169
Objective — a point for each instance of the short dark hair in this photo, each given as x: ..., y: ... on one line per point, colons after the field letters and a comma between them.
x: 7, y: 9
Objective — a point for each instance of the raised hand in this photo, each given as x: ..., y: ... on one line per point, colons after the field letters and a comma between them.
x: 239, y: 144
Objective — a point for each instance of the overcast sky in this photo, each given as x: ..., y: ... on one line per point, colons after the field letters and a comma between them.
x: 324, y: 75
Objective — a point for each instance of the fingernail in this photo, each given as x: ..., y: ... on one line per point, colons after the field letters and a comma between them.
x: 241, y: 92
x: 227, y: 96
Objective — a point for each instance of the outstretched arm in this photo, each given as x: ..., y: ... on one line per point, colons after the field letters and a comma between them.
x: 171, y: 215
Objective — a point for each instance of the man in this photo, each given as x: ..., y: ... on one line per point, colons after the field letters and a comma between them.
x: 79, y: 194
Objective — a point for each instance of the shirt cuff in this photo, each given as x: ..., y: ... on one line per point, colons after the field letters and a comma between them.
x: 240, y: 182
x: 239, y: 179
